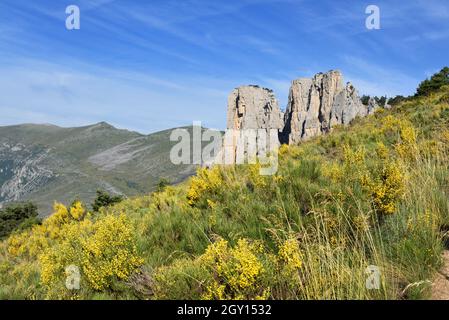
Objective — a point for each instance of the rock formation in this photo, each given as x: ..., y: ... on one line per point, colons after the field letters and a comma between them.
x: 314, y: 107
x: 254, y: 120
x: 253, y: 107
x: 372, y: 105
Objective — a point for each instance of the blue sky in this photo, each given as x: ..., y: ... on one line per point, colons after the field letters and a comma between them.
x: 153, y: 65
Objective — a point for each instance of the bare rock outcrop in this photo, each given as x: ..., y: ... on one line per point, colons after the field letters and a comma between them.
x: 316, y: 105
x: 253, y: 107
x: 372, y: 105
x: 254, y: 121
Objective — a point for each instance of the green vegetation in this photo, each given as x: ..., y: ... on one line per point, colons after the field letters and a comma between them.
x: 396, y: 100
x: 104, y: 200
x: 425, y: 88
x: 435, y: 82
x: 17, y: 217
x: 365, y: 99
x: 375, y: 193
x: 163, y: 183
x: 381, y: 101
x: 69, y: 163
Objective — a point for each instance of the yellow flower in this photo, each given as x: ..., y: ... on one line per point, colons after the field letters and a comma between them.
x: 237, y: 270
x: 290, y: 254
x: 104, y: 250
x: 206, y: 180
x: 211, y: 204
x: 77, y: 211
x: 388, y: 188
x: 283, y: 149
x: 256, y: 178
x: 382, y: 150
x: 333, y: 171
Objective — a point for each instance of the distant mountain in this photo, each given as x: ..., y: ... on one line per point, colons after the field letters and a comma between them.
x: 46, y: 163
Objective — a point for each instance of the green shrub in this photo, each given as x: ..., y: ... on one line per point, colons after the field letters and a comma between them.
x: 17, y: 217
x: 433, y: 84
x: 104, y: 199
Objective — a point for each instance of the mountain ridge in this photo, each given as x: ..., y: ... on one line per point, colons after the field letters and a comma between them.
x: 41, y: 162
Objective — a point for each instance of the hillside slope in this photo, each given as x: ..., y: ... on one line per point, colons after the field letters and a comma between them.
x: 44, y: 163
x: 360, y: 213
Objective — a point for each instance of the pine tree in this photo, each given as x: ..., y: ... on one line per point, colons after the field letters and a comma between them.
x: 434, y: 83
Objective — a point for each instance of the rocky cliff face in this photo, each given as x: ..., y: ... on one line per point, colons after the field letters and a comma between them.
x: 253, y: 115
x: 253, y: 107
x: 314, y: 107
x: 372, y: 105
x: 22, y: 169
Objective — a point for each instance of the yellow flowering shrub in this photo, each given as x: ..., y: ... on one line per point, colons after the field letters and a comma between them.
x: 408, y: 134
x: 290, y: 150
x: 255, y: 177
x: 290, y: 255
x: 353, y: 158
x: 391, y: 123
x: 77, y: 211
x: 430, y: 147
x: 237, y: 271
x: 407, y: 148
x: 381, y: 150
x: 31, y: 242
x: 54, y: 259
x: 288, y: 269
x: 222, y: 272
x: 333, y: 171
x: 110, y: 252
x: 361, y: 223
x: 405, y: 135
x: 278, y: 178
x: 163, y: 200
x: 104, y: 250
x: 211, y: 204
x: 387, y: 189
x: 60, y: 214
x: 283, y: 149
x: 206, y: 180
x: 28, y: 243
x: 354, y: 166
x: 379, y: 111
